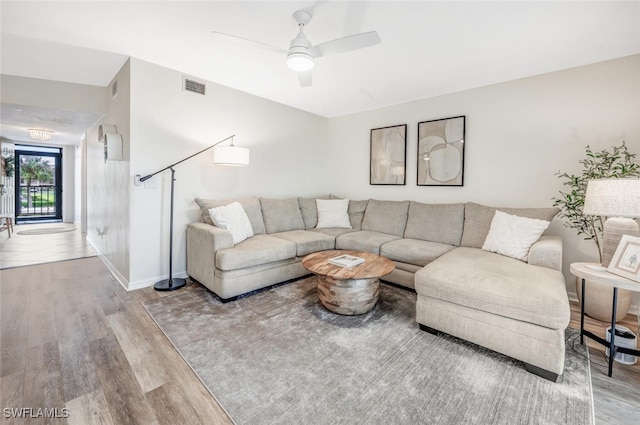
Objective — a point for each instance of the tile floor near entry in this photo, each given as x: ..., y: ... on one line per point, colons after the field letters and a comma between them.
x: 24, y: 250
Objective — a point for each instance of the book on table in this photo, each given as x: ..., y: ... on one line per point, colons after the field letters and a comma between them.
x: 346, y: 260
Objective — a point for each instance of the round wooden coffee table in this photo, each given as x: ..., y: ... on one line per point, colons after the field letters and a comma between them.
x: 348, y: 291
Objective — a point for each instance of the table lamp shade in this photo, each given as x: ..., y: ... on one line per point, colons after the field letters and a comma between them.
x: 231, y: 155
x: 619, y: 200
x: 613, y: 198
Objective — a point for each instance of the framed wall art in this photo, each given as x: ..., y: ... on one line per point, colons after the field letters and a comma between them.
x: 388, y: 155
x: 441, y: 152
x: 626, y: 260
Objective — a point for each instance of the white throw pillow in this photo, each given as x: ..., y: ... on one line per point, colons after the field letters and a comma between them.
x: 512, y: 235
x: 333, y: 213
x: 232, y: 218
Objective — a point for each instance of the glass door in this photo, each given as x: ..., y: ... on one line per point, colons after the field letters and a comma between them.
x: 38, y: 187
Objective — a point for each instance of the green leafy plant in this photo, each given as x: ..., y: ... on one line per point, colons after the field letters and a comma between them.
x: 9, y: 166
x: 617, y: 163
x: 35, y: 168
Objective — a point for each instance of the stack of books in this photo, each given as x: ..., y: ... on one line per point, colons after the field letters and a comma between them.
x: 346, y: 260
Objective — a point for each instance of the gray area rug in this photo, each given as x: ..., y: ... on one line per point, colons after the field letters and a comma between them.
x: 47, y: 231
x: 278, y: 357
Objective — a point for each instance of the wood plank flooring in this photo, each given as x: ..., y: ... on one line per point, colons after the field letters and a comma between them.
x: 616, y: 399
x: 72, y: 337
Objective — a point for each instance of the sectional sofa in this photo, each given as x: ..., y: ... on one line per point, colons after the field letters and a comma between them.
x: 515, y: 307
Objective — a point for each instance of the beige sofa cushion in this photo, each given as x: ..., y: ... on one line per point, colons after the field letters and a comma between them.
x: 309, y: 210
x: 260, y: 249
x: 388, y: 217
x: 333, y: 232
x: 364, y: 240
x: 435, y: 222
x: 251, y: 206
x: 281, y: 215
x: 497, y: 284
x: 307, y: 241
x: 414, y: 251
x: 356, y: 213
x: 477, y: 220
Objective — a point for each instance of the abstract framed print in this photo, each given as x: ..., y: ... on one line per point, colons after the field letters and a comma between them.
x: 388, y: 155
x: 441, y: 152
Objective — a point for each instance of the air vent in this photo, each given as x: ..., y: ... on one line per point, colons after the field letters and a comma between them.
x: 193, y: 86
x: 114, y: 89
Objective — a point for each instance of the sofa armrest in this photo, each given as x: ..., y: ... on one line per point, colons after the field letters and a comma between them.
x: 547, y: 252
x: 203, y: 240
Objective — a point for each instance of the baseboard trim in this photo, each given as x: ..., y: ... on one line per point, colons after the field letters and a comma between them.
x: 114, y: 271
x: 126, y: 284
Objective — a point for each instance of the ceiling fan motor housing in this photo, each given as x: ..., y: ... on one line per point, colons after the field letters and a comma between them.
x: 298, y: 57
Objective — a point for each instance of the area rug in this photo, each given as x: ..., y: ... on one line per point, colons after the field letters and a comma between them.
x: 46, y: 231
x: 278, y: 357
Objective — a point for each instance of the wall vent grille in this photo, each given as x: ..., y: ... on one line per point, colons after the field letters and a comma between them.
x: 193, y: 86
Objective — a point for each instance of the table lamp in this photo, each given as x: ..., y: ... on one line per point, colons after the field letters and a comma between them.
x: 619, y: 201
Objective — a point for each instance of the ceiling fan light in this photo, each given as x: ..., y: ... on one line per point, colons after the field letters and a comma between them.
x: 299, y: 61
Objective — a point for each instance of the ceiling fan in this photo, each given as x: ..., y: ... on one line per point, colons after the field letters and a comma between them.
x: 301, y: 54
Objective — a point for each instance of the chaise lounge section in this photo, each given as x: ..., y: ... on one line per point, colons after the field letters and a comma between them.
x: 515, y: 307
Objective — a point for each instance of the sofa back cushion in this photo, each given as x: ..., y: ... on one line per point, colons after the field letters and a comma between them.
x: 281, y: 215
x: 356, y: 213
x: 309, y: 211
x: 477, y: 220
x: 251, y: 206
x: 388, y: 217
x: 441, y: 223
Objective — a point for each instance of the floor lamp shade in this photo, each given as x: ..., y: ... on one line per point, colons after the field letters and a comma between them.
x: 231, y: 155
x: 619, y: 200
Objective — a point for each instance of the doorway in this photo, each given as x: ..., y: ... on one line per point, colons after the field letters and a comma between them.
x: 38, y: 188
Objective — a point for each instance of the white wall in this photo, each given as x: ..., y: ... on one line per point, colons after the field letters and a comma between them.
x: 518, y: 135
x: 289, y: 157
x: 68, y: 183
x: 52, y: 94
x: 108, y: 185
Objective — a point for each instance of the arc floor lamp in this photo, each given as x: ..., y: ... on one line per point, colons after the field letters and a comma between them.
x: 222, y: 155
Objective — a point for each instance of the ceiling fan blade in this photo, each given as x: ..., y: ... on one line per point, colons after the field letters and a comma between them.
x: 260, y: 44
x: 345, y: 44
x: 305, y: 78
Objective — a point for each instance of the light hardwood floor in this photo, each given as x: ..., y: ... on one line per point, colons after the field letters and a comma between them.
x: 23, y: 250
x: 616, y: 399
x: 72, y: 337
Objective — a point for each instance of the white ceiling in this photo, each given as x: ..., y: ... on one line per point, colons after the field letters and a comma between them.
x: 428, y: 48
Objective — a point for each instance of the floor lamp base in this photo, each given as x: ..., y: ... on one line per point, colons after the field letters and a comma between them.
x: 170, y: 284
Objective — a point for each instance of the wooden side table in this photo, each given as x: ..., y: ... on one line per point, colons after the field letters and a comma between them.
x: 586, y: 271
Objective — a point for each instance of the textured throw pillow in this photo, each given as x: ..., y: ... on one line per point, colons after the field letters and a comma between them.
x: 512, y: 235
x: 333, y: 213
x: 477, y: 220
x: 251, y: 206
x: 233, y: 219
